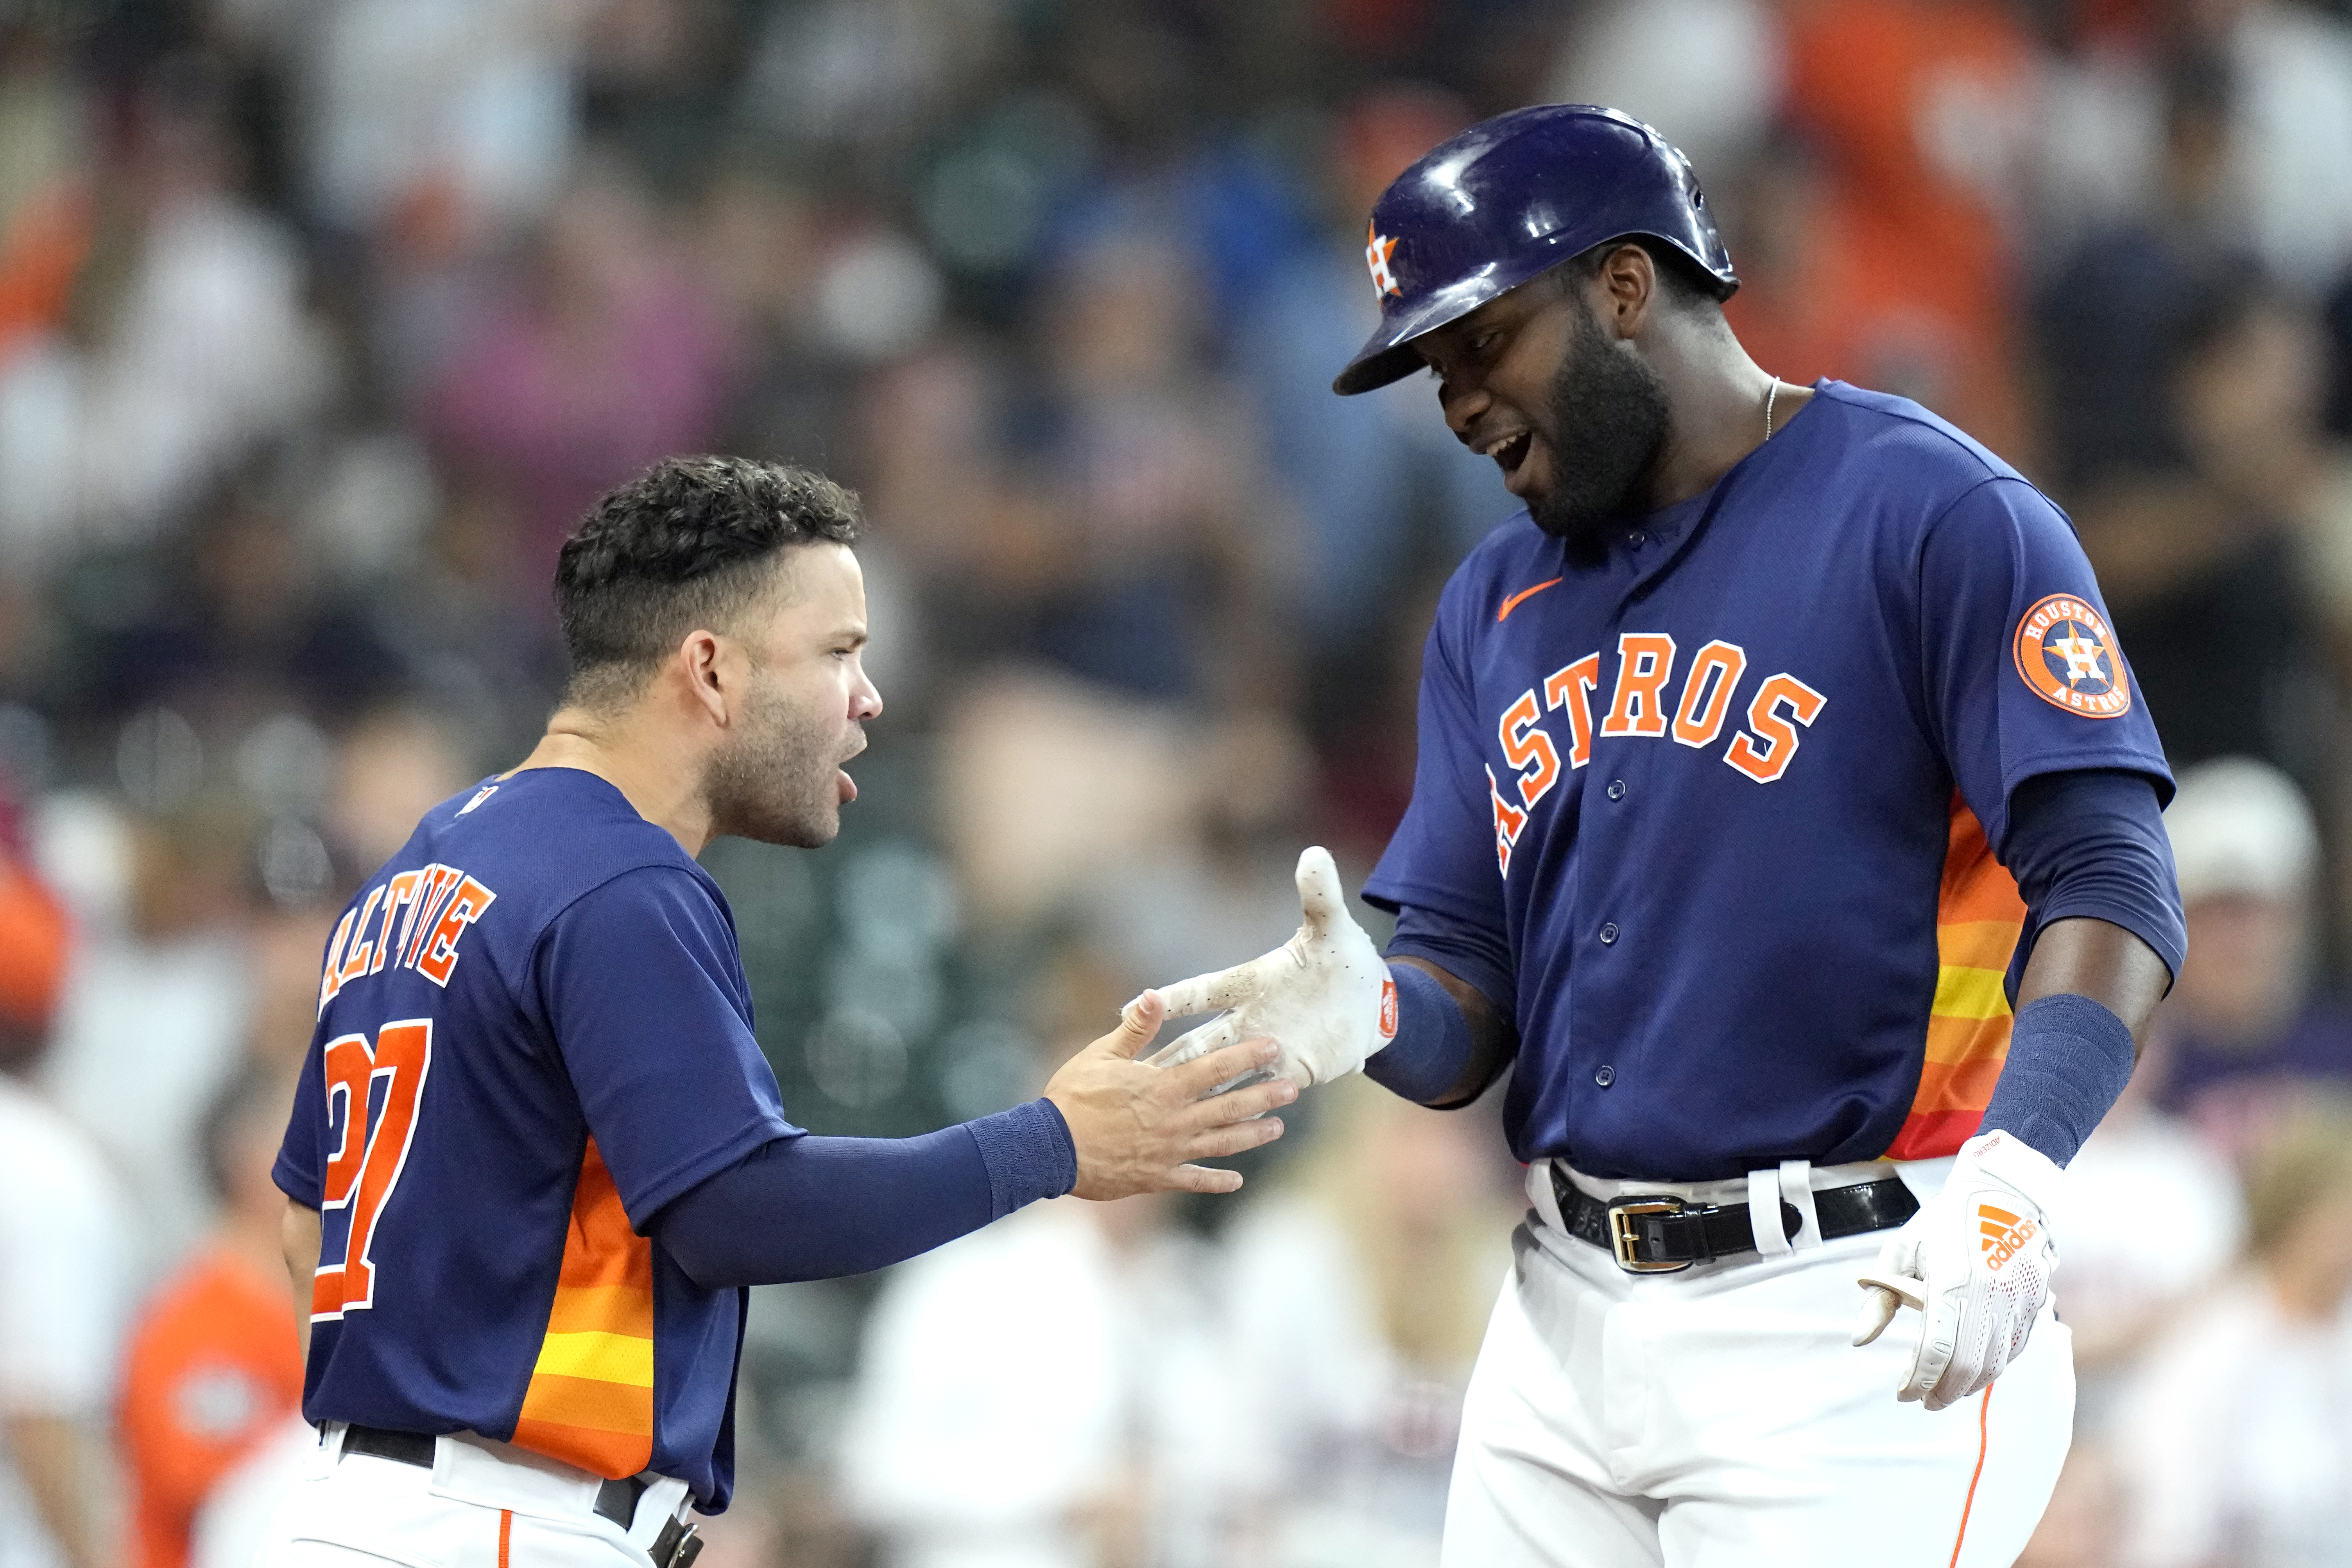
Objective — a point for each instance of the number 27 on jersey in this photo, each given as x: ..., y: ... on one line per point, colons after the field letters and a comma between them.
x: 374, y: 1091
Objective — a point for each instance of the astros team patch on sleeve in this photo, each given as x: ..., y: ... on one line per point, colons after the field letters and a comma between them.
x: 2067, y: 653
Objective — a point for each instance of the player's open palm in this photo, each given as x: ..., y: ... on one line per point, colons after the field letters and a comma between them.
x: 1136, y: 1129
x: 1324, y: 996
x: 1976, y: 1261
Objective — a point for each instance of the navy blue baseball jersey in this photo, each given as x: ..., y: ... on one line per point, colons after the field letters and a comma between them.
x: 533, y: 1032
x: 1722, y: 807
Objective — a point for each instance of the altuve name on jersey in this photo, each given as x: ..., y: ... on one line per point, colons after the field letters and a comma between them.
x: 439, y: 901
x: 1639, y: 706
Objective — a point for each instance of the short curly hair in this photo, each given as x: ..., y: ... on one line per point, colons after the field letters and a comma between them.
x: 687, y: 543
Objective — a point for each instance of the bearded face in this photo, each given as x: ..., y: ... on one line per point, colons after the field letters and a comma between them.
x: 777, y: 778
x: 1604, y: 422
x: 776, y: 774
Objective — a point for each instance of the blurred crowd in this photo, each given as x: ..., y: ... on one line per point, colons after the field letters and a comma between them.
x: 321, y: 320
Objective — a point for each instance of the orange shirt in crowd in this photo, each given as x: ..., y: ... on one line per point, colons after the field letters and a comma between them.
x: 42, y: 248
x: 1894, y: 268
x: 212, y: 1368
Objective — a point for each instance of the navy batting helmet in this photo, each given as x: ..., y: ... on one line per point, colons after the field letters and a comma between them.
x: 1508, y: 198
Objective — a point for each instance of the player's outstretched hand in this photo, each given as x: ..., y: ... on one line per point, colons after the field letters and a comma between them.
x: 1976, y: 1261
x: 1325, y: 994
x: 1138, y: 1130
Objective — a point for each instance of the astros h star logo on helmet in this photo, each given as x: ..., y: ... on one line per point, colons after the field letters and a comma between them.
x: 1377, y: 252
x: 2067, y: 653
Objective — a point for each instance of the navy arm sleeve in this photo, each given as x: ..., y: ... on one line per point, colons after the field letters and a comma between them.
x: 2089, y: 843
x: 1470, y: 951
x: 1440, y: 878
x: 807, y: 1207
x: 1433, y: 1047
x: 2092, y: 843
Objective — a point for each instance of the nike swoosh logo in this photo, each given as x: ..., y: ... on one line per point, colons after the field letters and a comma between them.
x: 1512, y: 601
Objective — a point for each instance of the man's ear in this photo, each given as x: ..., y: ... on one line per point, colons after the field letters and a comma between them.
x: 1629, y: 278
x: 700, y: 657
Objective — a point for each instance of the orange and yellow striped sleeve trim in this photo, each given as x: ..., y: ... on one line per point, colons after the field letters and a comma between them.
x: 1979, y: 917
x: 591, y: 1399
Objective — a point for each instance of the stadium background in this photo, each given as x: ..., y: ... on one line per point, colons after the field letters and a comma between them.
x: 321, y: 321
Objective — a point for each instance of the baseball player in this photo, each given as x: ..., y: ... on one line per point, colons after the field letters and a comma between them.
x: 1786, y: 818
x: 535, y: 1154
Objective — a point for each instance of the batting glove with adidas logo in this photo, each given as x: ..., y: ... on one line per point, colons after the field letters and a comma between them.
x: 1976, y: 1261
x: 1324, y: 996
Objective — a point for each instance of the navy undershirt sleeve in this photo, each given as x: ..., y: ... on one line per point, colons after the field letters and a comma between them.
x: 2069, y: 1058
x: 1468, y: 952
x: 812, y: 1208
x: 2092, y: 843
x: 1431, y: 1049
x: 2086, y: 843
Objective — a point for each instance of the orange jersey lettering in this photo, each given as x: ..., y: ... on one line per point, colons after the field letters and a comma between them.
x: 1571, y: 688
x: 440, y: 955
x: 367, y: 1163
x: 1645, y: 661
x: 1530, y: 749
x: 1766, y: 755
x: 1707, y: 693
x: 1509, y: 822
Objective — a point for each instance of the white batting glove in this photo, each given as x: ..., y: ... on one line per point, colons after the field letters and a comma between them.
x: 1976, y: 1261
x: 1324, y: 996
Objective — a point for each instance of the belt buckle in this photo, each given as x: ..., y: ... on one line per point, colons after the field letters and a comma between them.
x: 1621, y: 1234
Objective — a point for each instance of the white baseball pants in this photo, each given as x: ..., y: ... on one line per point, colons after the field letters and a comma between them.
x: 1719, y: 1417
x: 482, y: 1505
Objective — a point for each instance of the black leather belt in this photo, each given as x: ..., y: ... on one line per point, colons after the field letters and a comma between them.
x: 1651, y: 1233
x: 615, y: 1500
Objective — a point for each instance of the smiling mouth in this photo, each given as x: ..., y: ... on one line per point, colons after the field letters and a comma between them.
x: 1510, y: 451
